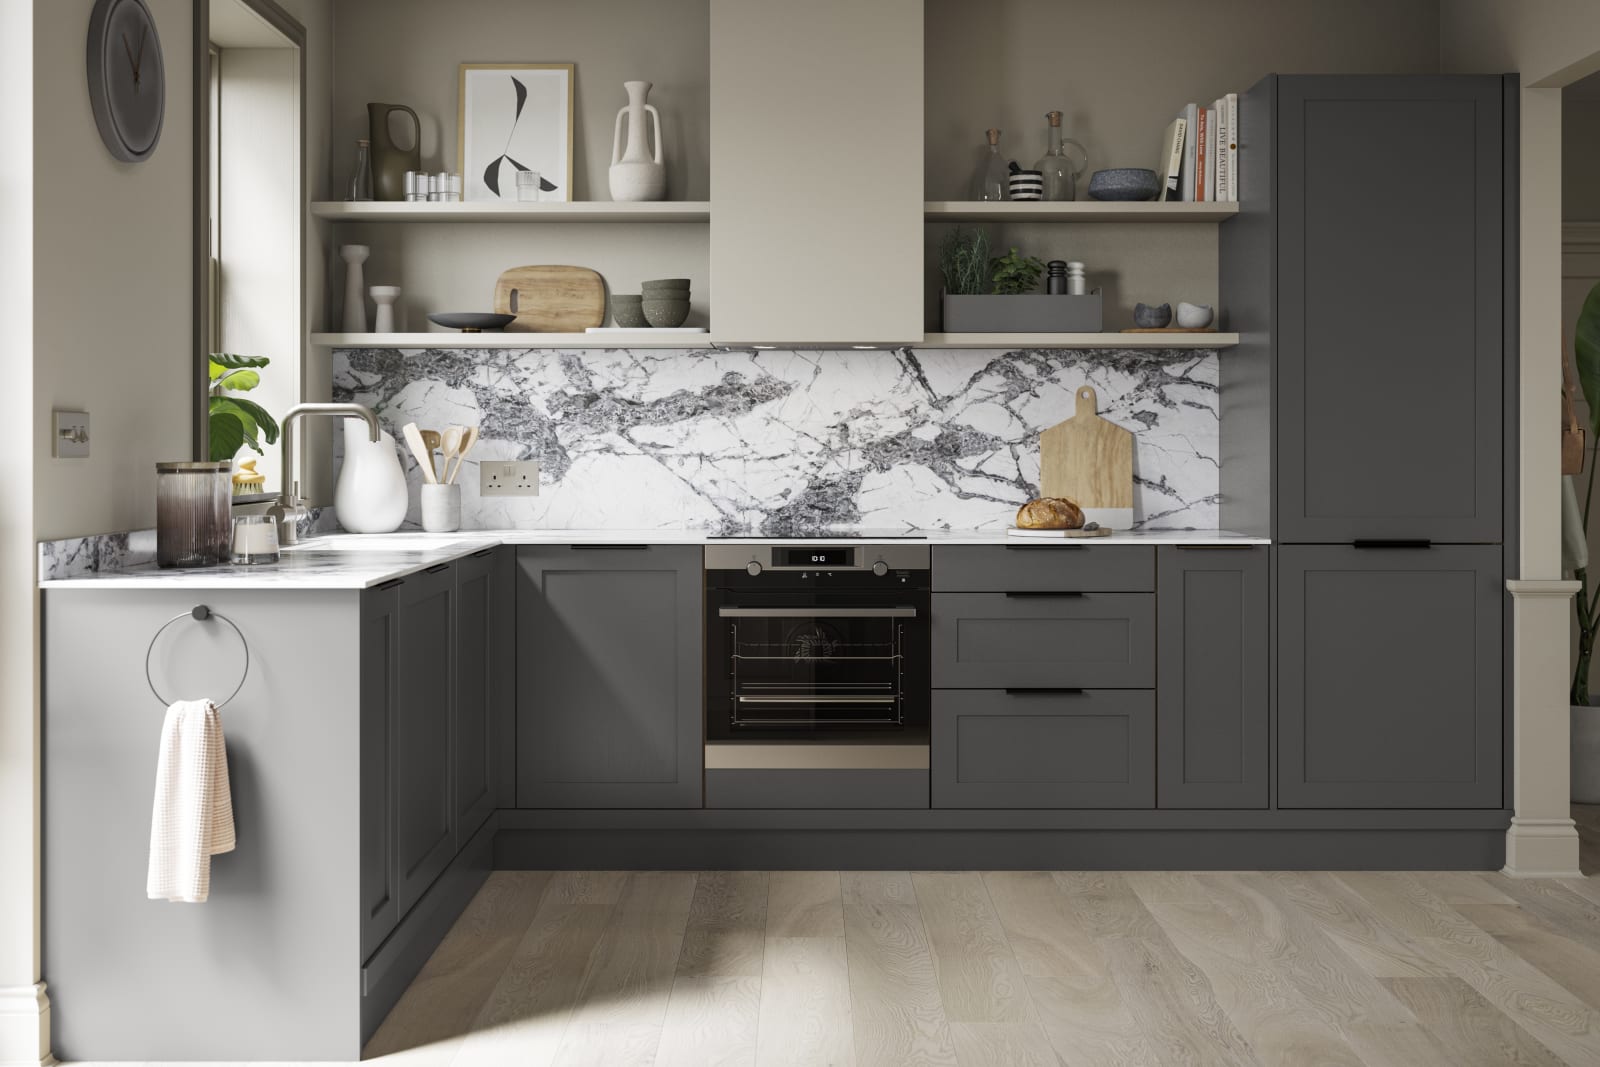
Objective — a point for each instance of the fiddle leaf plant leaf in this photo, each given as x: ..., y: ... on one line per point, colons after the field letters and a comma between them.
x: 258, y: 416
x: 227, y: 435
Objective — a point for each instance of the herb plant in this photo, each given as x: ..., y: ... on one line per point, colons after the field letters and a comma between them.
x: 964, y: 262
x: 1015, y: 274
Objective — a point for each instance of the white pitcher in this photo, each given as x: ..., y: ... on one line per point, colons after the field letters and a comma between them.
x: 371, y: 496
x: 635, y: 175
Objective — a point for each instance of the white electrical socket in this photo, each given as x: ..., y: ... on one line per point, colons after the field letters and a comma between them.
x: 508, y: 477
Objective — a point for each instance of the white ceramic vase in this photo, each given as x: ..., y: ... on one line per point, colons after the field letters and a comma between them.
x: 355, y: 290
x: 636, y: 174
x: 371, y: 496
x: 383, y: 298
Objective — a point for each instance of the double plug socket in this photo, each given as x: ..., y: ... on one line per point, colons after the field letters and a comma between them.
x: 508, y: 477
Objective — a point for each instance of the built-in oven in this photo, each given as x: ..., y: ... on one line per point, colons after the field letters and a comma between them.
x: 821, y: 643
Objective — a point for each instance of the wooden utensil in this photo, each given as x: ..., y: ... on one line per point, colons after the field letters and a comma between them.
x: 469, y: 437
x: 1090, y: 462
x: 450, y: 446
x: 551, y: 299
x: 431, y: 439
x: 424, y: 458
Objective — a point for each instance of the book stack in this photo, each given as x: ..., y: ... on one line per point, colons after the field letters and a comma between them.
x: 1200, y: 153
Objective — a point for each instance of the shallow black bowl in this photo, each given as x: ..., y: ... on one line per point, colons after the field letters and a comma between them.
x: 470, y: 321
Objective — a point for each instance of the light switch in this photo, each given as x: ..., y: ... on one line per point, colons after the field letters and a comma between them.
x: 70, y: 434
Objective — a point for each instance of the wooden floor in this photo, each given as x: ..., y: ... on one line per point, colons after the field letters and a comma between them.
x: 970, y: 968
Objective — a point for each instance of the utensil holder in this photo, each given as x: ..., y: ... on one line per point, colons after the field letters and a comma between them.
x: 441, y: 508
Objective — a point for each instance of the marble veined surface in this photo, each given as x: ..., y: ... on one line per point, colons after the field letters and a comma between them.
x: 778, y: 441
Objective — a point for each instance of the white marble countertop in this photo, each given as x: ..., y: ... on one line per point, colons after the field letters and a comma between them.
x: 350, y: 561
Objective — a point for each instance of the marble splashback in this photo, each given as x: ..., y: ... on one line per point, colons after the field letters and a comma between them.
x: 776, y: 441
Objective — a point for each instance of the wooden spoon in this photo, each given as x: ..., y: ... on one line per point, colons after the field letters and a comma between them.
x: 468, y: 439
x: 431, y: 439
x: 450, y: 445
x: 420, y: 451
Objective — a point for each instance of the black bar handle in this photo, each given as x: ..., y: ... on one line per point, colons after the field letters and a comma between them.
x: 1048, y: 548
x: 608, y: 548
x: 1039, y: 594
x: 393, y: 583
x: 1042, y: 690
x: 1213, y: 548
x: 1392, y: 543
x: 437, y: 567
x: 481, y: 553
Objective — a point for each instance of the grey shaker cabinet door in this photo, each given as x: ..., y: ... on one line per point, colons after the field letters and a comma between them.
x: 1389, y: 677
x: 1090, y: 640
x: 1389, y: 308
x: 425, y: 810
x: 1046, y: 748
x: 380, y: 909
x: 609, y: 697
x: 1212, y: 681
x: 485, y: 723
x: 1043, y: 566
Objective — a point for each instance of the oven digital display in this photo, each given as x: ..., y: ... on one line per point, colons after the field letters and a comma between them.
x: 837, y: 556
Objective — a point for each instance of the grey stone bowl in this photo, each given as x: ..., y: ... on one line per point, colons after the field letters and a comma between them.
x: 1124, y: 183
x: 665, y: 314
x: 1151, y: 318
x: 1194, y: 316
x: 627, y: 312
x: 662, y: 285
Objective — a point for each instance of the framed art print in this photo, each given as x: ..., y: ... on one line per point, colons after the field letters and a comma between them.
x: 515, y: 117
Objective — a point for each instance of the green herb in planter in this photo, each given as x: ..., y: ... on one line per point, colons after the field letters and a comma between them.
x: 1015, y: 274
x: 964, y: 262
x: 235, y: 421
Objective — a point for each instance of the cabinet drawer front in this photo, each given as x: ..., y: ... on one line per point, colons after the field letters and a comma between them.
x: 994, y: 641
x: 1048, y: 568
x: 1090, y: 749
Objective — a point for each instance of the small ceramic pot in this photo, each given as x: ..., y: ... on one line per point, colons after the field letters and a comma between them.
x: 665, y: 314
x: 1027, y: 185
x: 441, y: 508
x: 1124, y: 183
x: 1194, y: 316
x: 1152, y: 318
x: 627, y: 313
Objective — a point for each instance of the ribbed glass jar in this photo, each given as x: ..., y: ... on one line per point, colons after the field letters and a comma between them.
x: 193, y: 522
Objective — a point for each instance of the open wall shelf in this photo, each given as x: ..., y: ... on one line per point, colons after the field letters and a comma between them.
x: 489, y: 211
x: 1076, y: 211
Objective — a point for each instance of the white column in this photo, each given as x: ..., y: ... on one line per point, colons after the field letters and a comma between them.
x: 1542, y: 840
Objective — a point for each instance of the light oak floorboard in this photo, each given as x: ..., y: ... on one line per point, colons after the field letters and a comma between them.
x: 979, y: 978
x: 1002, y: 1045
x: 711, y: 1022
x: 1476, y: 1032
x: 727, y: 925
x: 629, y: 976
x: 895, y: 1009
x: 1087, y: 1021
x: 1348, y: 921
x: 1105, y: 904
x: 1174, y: 1004
x: 1045, y: 933
x: 805, y: 1004
x: 804, y: 904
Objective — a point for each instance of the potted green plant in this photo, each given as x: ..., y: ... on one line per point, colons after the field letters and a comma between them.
x: 234, y: 421
x: 1001, y: 294
x: 1575, y: 561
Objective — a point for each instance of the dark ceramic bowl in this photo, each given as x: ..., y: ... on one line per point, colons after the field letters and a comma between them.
x: 1124, y: 183
x: 627, y: 312
x: 666, y: 313
x: 1152, y: 318
x: 470, y: 321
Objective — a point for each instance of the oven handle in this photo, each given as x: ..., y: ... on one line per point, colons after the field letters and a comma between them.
x: 817, y: 613
x: 818, y: 700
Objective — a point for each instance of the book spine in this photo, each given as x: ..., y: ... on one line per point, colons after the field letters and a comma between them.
x: 1190, y: 149
x: 1224, y: 175
x: 1232, y: 100
x: 1202, y: 138
x: 1173, y: 177
x: 1211, y: 154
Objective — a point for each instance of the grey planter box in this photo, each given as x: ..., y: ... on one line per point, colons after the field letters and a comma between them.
x: 1033, y: 313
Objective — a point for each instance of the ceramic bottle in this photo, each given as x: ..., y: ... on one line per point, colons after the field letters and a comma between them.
x: 389, y: 161
x: 371, y: 496
x: 636, y: 174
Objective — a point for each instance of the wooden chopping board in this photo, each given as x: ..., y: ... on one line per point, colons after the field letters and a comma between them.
x: 551, y: 299
x: 1090, y: 462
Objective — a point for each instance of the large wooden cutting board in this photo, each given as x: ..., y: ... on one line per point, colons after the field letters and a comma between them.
x: 551, y: 299
x: 1090, y: 462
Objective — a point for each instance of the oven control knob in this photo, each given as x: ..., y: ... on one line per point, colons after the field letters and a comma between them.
x: 880, y: 568
x: 752, y: 568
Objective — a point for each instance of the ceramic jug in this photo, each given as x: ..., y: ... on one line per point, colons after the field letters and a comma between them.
x: 371, y: 496
x: 389, y: 161
x: 635, y: 173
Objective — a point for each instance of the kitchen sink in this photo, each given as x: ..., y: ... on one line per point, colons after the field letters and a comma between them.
x: 376, y: 543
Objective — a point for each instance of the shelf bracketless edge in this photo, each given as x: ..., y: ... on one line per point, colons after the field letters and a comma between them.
x: 579, y: 211
x: 650, y: 339
x: 1076, y: 211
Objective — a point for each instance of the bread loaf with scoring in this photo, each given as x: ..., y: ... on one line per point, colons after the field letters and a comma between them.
x: 1049, y: 513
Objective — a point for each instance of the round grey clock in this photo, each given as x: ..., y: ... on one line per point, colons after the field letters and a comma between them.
x: 127, y: 82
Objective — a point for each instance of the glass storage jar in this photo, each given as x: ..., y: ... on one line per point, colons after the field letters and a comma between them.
x: 193, y: 523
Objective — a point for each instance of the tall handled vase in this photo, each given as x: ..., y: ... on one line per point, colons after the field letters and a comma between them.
x: 636, y: 174
x: 371, y: 496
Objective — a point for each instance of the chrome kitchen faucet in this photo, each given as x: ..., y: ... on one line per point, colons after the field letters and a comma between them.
x: 290, y: 509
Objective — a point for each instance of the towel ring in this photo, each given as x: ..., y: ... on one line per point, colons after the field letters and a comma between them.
x: 201, y: 613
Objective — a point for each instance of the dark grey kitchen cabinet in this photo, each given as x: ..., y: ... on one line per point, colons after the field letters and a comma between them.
x: 380, y: 909
x: 1389, y: 677
x: 609, y: 694
x: 1212, y: 677
x: 484, y: 731
x: 424, y: 801
x: 1389, y: 307
x: 996, y: 640
x: 1044, y: 567
x: 1043, y: 748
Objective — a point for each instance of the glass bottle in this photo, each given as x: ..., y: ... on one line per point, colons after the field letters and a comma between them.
x: 361, y: 177
x: 993, y: 176
x: 1060, y: 173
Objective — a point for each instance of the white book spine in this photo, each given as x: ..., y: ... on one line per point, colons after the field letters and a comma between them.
x: 1172, y: 161
x: 1223, y: 133
x: 1190, y: 148
x: 1232, y: 103
x: 1211, y: 153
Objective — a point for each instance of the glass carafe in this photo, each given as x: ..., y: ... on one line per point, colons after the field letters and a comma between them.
x: 1061, y: 168
x: 361, y: 176
x: 993, y: 176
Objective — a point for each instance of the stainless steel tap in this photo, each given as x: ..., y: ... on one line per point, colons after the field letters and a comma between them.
x: 290, y: 508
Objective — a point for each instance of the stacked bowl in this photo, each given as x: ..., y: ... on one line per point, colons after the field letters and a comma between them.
x: 665, y: 302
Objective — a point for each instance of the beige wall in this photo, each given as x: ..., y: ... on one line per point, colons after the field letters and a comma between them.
x: 1549, y: 42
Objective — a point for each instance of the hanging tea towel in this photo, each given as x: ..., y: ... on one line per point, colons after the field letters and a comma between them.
x: 192, y: 819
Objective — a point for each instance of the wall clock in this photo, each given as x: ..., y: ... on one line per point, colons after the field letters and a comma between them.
x: 127, y: 81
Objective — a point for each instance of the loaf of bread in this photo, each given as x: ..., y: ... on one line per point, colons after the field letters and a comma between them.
x: 1049, y: 513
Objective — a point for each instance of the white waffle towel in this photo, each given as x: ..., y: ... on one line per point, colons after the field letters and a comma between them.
x: 192, y: 819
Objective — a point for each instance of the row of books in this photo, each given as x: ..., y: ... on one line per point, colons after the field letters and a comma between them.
x: 1200, y: 153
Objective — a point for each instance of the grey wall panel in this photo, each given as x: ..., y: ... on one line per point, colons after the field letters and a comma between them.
x: 991, y: 641
x: 1051, y: 567
x: 279, y: 939
x: 1212, y: 677
x: 1390, y: 677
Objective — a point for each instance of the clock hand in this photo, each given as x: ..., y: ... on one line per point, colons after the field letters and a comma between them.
x: 144, y: 32
x: 132, y: 62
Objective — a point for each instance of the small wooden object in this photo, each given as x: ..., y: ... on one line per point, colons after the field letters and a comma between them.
x: 1170, y: 329
x: 1090, y: 462
x: 551, y: 299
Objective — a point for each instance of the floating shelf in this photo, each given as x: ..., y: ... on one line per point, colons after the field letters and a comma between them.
x: 1109, y: 339
x: 636, y: 339
x: 489, y: 211
x: 1076, y: 211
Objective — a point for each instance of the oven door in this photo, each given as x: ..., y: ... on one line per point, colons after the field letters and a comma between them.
x: 829, y: 669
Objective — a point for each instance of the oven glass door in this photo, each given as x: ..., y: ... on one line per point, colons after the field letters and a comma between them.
x: 817, y: 667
